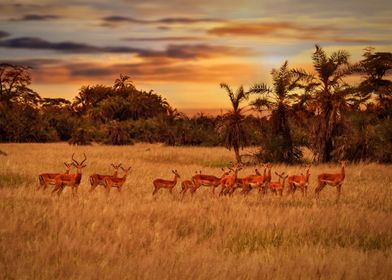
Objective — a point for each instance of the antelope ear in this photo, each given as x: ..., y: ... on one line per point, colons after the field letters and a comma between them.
x: 277, y: 173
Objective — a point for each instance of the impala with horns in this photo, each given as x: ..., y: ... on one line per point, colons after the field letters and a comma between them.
x: 70, y: 180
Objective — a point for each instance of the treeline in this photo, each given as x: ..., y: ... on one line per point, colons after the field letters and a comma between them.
x: 317, y: 110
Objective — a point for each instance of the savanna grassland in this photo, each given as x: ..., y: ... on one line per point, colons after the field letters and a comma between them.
x: 133, y: 235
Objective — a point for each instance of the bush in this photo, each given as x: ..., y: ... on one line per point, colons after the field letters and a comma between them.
x: 116, y: 133
x: 81, y: 136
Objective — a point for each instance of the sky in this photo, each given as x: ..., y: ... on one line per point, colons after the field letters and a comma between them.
x: 181, y: 49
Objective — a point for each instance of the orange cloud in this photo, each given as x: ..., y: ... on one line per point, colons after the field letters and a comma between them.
x: 148, y: 71
x: 286, y: 30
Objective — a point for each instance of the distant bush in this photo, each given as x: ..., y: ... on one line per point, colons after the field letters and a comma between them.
x: 81, y: 136
x: 116, y: 133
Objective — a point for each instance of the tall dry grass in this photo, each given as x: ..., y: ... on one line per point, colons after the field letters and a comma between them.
x: 132, y: 235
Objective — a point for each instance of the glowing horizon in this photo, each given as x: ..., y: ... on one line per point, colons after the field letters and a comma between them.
x: 181, y: 50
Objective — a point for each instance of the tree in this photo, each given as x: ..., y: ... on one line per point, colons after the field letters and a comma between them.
x: 117, y: 134
x: 330, y: 97
x: 279, y: 145
x: 14, y: 85
x: 231, y: 123
x: 122, y: 82
x: 89, y: 97
x: 374, y: 67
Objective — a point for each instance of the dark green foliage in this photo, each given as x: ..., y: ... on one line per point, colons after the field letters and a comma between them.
x: 278, y: 144
x: 328, y: 97
x: 116, y: 133
x: 81, y: 136
x: 366, y: 138
x: 231, y: 123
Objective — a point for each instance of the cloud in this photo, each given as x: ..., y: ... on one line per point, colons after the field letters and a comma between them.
x: 164, y: 39
x: 34, y: 62
x: 169, y: 20
x: 201, y: 51
x: 40, y: 44
x: 4, y: 34
x: 111, y: 21
x: 171, y: 51
x: 286, y: 30
x: 147, y: 71
x: 36, y: 17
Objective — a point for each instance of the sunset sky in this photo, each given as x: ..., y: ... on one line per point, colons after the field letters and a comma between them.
x: 181, y: 49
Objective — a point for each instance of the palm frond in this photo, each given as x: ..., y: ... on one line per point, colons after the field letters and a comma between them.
x: 259, y: 89
x: 261, y: 104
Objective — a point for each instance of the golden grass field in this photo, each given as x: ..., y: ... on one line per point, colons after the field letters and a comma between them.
x: 133, y: 235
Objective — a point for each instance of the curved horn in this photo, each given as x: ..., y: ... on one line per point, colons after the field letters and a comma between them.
x: 85, y: 158
x: 116, y: 166
x: 126, y: 170
x: 74, y: 160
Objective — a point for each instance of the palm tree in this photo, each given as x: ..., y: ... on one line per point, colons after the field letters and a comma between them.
x: 123, y: 82
x: 231, y: 123
x: 279, y: 100
x: 329, y: 99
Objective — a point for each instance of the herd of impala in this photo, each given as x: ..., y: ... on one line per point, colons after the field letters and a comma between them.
x: 229, y: 180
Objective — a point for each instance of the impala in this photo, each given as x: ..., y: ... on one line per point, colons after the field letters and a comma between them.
x: 334, y: 180
x: 228, y: 182
x: 115, y: 182
x: 254, y: 181
x: 207, y: 180
x: 267, y: 179
x: 244, y: 183
x: 278, y: 187
x: 46, y: 179
x: 71, y: 180
x: 97, y: 179
x: 187, y: 185
x: 166, y: 184
x: 299, y: 182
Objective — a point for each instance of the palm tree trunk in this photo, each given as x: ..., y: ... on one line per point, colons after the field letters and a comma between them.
x: 326, y: 135
x: 237, y: 154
